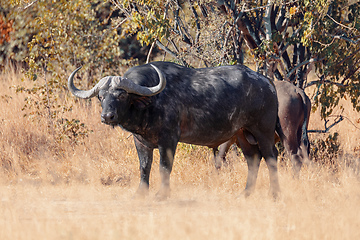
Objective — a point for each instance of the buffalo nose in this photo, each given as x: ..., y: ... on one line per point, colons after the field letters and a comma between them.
x: 109, y: 117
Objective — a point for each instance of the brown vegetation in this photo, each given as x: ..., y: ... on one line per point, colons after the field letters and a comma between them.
x: 51, y: 188
x: 5, y: 29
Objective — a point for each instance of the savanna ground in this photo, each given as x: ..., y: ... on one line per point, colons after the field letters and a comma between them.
x: 51, y: 189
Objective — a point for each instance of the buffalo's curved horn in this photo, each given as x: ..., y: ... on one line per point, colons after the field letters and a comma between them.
x: 118, y: 82
x: 132, y: 87
x: 86, y: 94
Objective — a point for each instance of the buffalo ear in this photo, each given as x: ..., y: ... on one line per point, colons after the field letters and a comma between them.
x: 141, y: 102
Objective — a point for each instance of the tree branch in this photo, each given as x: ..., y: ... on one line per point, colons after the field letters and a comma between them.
x: 160, y: 45
x: 267, y: 20
x: 247, y: 36
x: 311, y: 60
x: 180, y: 26
x: 350, y: 56
x: 352, y: 71
x: 339, y: 23
x: 29, y: 5
x: 325, y: 81
x: 127, y: 13
x: 196, y: 21
x: 342, y: 37
x: 327, y: 128
x: 281, y: 18
x: 251, y: 30
x: 265, y: 6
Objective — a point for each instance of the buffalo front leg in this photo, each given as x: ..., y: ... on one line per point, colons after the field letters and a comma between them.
x: 145, y: 155
x: 167, y: 153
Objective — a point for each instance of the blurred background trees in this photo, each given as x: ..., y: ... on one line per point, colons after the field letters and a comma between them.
x: 284, y: 40
x: 47, y: 39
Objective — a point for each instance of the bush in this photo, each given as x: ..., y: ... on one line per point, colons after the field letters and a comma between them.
x: 325, y: 150
x: 51, y: 38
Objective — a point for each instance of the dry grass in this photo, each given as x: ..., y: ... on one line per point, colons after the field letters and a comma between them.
x: 52, y: 190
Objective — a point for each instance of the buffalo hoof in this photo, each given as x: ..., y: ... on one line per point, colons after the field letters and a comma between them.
x: 217, y: 164
x: 296, y: 175
x: 162, y: 195
x: 141, y: 193
x: 275, y: 195
x: 244, y: 194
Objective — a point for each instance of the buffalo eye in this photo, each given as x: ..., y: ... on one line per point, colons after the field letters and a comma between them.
x: 101, y: 98
x: 122, y: 95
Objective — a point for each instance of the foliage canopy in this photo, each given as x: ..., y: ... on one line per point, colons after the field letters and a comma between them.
x: 284, y: 39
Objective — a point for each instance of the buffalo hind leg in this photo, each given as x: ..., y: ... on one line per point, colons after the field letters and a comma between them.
x: 145, y: 155
x: 253, y: 158
x: 292, y: 146
x: 299, y: 157
x: 305, y: 153
x: 217, y: 158
x: 220, y: 153
x: 269, y: 152
x: 296, y: 161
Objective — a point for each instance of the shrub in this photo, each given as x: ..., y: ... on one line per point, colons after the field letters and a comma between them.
x: 325, y: 150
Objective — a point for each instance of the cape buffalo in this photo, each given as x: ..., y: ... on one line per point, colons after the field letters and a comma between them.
x: 294, y: 113
x: 163, y: 103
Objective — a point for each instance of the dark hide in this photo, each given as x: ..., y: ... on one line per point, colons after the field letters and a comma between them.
x: 294, y: 113
x: 206, y: 106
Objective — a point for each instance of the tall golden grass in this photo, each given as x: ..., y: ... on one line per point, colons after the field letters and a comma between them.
x: 52, y: 189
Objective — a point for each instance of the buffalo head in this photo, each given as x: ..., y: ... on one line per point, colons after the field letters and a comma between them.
x: 117, y: 94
